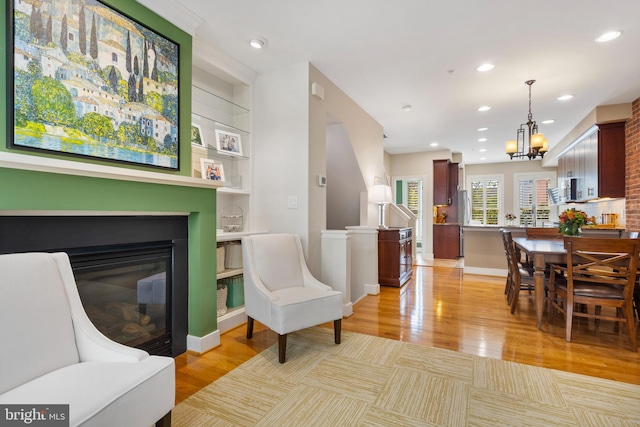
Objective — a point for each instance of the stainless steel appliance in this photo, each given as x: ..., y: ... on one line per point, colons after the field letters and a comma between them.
x: 464, y: 215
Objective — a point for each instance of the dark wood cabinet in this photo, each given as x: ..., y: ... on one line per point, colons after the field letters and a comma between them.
x: 395, y: 258
x: 441, y: 188
x: 596, y: 164
x: 446, y: 241
x: 611, y: 160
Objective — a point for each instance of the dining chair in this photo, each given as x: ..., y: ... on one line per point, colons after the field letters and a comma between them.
x: 518, y: 277
x: 600, y: 272
x: 543, y: 233
x: 636, y: 292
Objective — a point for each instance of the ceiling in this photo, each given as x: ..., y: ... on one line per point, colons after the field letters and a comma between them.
x: 424, y: 53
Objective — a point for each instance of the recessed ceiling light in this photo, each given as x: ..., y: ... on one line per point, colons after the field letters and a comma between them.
x: 434, y: 144
x: 548, y: 122
x: 482, y: 129
x: 483, y: 158
x: 257, y: 43
x: 565, y: 97
x: 486, y: 67
x: 482, y: 150
x: 482, y: 139
x: 407, y: 107
x: 484, y: 108
x: 606, y: 37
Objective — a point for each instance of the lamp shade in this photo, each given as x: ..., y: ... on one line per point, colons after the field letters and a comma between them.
x: 545, y: 146
x: 537, y: 140
x: 380, y: 194
x: 512, y: 147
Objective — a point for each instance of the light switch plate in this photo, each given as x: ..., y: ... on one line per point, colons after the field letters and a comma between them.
x: 292, y: 202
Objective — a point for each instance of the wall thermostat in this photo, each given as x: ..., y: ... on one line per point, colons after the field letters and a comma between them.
x: 322, y: 181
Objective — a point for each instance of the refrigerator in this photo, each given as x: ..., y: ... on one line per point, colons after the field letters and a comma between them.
x: 464, y: 215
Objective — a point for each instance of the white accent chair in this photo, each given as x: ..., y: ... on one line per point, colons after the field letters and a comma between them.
x: 281, y: 293
x: 52, y: 354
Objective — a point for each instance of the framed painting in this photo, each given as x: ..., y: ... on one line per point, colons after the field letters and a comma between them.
x: 212, y: 170
x: 228, y: 142
x: 91, y: 81
x: 196, y: 135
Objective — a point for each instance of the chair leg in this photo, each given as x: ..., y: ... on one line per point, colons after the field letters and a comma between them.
x: 249, y: 327
x: 631, y: 328
x: 337, y: 330
x: 568, y: 319
x: 282, y: 348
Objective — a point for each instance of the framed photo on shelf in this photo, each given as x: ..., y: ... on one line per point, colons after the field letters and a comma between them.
x: 228, y: 142
x: 81, y: 87
x: 212, y: 170
x: 196, y: 135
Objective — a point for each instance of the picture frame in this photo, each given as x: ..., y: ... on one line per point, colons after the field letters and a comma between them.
x: 212, y: 170
x: 90, y: 81
x: 228, y: 142
x: 197, y: 137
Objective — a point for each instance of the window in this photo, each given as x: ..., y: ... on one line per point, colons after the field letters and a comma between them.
x: 486, y: 197
x: 532, y: 195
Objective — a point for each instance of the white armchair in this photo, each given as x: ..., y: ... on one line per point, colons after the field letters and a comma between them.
x: 281, y: 293
x: 52, y: 354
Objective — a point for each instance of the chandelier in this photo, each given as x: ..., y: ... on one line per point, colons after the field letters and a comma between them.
x: 538, y: 145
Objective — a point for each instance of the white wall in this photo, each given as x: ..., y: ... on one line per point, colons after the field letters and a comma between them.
x: 280, y: 135
x: 345, y: 182
x: 289, y: 136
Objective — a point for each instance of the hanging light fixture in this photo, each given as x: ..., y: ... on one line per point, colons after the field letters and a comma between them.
x: 538, y: 144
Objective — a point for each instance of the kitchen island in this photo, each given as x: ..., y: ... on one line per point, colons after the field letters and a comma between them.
x: 484, y: 250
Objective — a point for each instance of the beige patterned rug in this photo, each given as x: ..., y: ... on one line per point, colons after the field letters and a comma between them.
x: 371, y: 381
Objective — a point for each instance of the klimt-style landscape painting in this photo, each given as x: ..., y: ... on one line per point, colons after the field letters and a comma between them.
x: 91, y: 81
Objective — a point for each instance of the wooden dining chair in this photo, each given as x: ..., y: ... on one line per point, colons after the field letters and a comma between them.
x: 600, y: 272
x: 543, y: 233
x: 518, y: 277
x: 636, y: 293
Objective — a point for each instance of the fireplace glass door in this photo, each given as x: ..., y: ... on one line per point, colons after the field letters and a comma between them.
x: 126, y: 292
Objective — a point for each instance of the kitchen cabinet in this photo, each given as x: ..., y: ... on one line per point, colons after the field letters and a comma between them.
x: 441, y: 188
x: 597, y: 164
x: 395, y: 259
x: 446, y: 241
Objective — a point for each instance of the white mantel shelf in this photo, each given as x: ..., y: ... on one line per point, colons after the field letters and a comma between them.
x: 68, y: 167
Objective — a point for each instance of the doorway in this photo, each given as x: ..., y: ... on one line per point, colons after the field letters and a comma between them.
x: 409, y: 193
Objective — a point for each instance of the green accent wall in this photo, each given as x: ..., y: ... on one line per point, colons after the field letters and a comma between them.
x: 22, y: 190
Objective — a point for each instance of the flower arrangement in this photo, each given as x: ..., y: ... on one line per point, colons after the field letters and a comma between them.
x: 510, y: 217
x: 571, y: 220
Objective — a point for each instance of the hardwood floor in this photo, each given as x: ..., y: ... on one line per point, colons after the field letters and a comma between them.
x: 443, y: 308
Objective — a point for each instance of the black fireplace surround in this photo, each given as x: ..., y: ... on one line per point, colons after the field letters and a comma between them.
x: 129, y: 246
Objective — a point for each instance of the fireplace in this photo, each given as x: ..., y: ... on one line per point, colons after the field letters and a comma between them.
x: 131, y: 271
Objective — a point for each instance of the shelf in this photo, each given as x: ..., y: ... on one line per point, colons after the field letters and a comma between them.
x: 237, y: 235
x: 233, y: 318
x: 211, y: 107
x: 229, y: 273
x: 229, y: 190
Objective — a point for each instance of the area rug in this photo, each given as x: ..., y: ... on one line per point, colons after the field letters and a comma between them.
x: 372, y: 381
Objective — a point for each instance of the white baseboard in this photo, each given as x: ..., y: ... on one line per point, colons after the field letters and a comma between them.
x: 201, y: 345
x: 234, y: 317
x: 230, y: 320
x: 372, y: 289
x: 347, y: 309
x: 485, y: 271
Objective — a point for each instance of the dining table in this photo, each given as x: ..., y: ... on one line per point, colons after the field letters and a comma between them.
x: 542, y: 252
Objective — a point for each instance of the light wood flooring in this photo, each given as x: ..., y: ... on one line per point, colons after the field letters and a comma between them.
x: 441, y: 307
